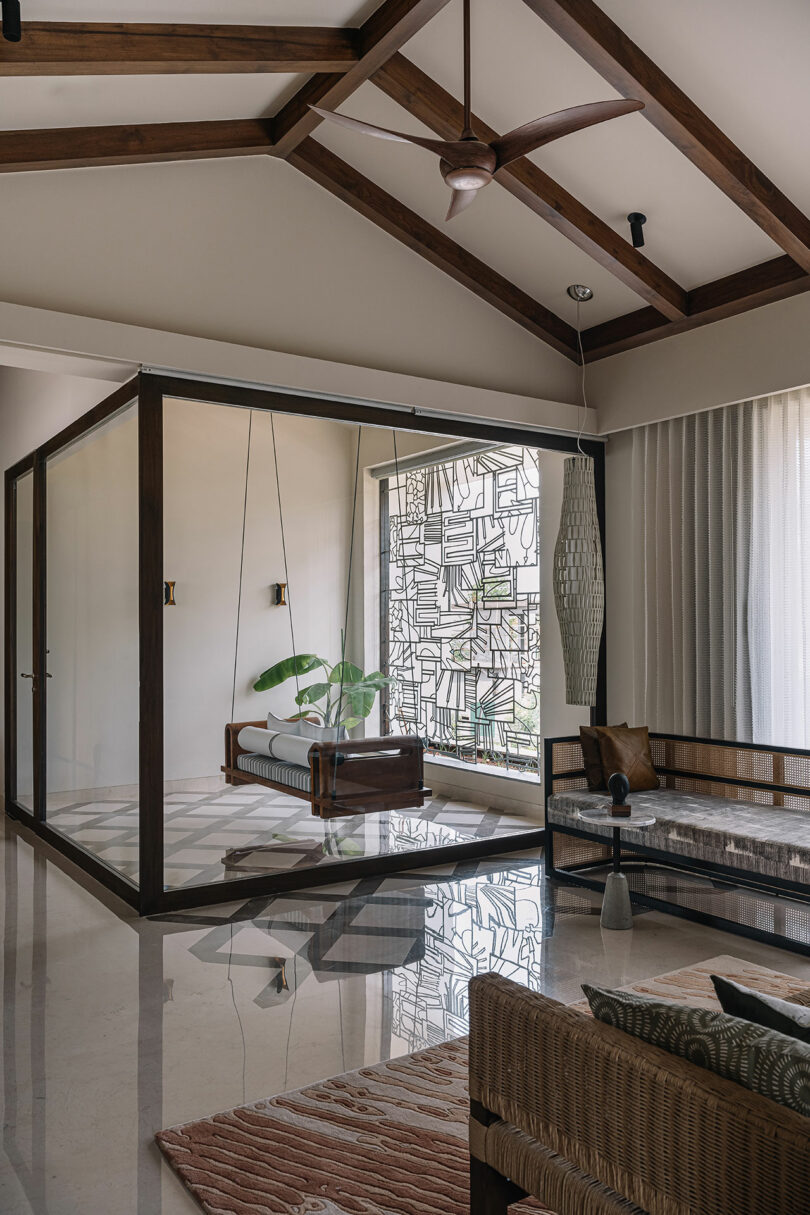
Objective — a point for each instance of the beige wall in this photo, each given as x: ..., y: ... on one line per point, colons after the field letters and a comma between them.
x: 249, y: 251
x: 205, y: 462
x: 746, y: 356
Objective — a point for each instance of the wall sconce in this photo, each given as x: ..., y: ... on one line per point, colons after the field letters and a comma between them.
x: 280, y: 594
x: 168, y: 594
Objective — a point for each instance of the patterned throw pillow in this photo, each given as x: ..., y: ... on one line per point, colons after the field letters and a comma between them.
x: 769, y: 1011
x: 762, y: 1060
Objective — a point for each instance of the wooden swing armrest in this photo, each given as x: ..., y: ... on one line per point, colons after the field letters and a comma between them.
x: 232, y: 748
x: 404, y: 743
x: 367, y: 771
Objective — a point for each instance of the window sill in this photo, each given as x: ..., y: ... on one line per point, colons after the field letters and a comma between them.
x: 459, y: 765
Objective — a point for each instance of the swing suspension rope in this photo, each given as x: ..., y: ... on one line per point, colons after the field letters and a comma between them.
x: 344, y: 633
x: 241, y: 565
x: 284, y: 553
x: 348, y: 584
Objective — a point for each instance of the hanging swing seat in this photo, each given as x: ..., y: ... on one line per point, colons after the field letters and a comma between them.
x: 352, y: 776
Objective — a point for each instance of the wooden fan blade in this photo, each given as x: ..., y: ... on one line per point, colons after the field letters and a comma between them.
x: 459, y: 202
x: 368, y: 128
x: 534, y: 134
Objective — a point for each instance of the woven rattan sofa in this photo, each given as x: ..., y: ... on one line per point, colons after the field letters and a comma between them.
x: 737, y: 814
x: 594, y: 1122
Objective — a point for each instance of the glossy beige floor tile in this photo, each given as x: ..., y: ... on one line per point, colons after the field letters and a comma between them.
x: 114, y: 1027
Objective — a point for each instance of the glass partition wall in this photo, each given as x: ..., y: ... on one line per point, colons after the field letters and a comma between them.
x: 192, y: 559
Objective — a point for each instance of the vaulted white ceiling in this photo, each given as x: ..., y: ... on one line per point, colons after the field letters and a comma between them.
x: 742, y: 62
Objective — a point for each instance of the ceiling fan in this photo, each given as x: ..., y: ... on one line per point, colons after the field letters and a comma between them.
x: 467, y: 164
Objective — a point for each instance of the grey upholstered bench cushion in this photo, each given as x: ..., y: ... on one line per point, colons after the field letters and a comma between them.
x: 769, y: 840
x: 277, y: 770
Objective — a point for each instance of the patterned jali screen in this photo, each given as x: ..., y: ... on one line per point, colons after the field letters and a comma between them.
x: 462, y: 606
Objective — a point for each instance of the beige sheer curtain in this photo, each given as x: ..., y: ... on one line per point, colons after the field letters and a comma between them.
x: 721, y: 518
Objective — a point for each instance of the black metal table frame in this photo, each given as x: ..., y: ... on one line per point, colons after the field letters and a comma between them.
x: 578, y: 874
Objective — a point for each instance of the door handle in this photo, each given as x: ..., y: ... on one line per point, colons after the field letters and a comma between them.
x: 33, y: 678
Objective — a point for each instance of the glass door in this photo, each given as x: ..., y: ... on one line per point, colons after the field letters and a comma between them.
x: 91, y: 623
x: 20, y: 704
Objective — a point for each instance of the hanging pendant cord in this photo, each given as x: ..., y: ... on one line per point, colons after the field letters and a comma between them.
x: 345, y: 631
x: 467, y: 71
x: 582, y: 382
x: 284, y: 551
x: 241, y: 566
x: 351, y: 553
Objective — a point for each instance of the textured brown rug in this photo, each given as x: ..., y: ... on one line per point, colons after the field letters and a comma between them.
x: 384, y: 1140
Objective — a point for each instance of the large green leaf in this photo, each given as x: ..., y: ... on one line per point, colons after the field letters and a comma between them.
x: 345, y: 672
x: 298, y: 664
x: 351, y: 722
x: 377, y: 680
x: 359, y: 700
x: 315, y: 692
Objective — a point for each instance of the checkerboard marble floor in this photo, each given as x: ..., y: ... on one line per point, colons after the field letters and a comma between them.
x: 215, y: 832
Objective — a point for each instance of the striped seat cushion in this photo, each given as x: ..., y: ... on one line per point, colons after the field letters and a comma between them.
x: 277, y: 770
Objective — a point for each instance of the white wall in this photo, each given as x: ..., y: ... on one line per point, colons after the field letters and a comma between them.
x: 745, y: 356
x: 249, y: 251
x: 205, y: 462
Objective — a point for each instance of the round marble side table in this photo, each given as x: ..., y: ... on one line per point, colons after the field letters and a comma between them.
x: 617, y: 912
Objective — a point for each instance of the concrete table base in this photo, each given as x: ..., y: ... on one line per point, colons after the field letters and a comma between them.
x: 616, y: 910
x: 617, y: 913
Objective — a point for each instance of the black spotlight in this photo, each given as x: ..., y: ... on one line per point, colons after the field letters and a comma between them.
x: 637, y: 221
x: 12, y: 27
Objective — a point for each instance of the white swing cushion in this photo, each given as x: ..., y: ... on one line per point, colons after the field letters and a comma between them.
x: 288, y: 748
x: 305, y: 729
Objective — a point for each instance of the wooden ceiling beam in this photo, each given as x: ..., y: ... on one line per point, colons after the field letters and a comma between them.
x: 413, y: 89
x: 592, y: 34
x: 84, y: 147
x: 777, y: 279
x: 387, y: 29
x: 388, y: 213
x: 55, y: 48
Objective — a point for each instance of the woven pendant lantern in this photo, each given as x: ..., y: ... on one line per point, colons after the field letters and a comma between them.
x: 579, y: 586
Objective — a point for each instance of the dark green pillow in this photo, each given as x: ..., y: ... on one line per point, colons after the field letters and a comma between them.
x: 762, y: 1060
x: 770, y: 1011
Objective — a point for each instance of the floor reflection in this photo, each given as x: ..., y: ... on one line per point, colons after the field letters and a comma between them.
x: 114, y: 1027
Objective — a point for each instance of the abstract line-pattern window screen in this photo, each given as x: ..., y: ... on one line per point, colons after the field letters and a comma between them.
x: 463, y: 607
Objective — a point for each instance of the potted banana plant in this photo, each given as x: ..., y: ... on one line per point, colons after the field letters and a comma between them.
x: 341, y: 694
